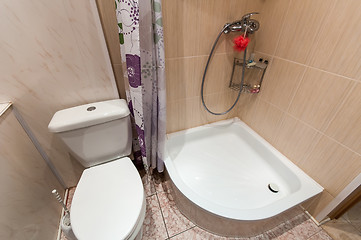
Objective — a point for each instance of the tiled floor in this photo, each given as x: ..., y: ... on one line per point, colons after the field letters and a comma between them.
x: 164, y: 221
x: 346, y: 227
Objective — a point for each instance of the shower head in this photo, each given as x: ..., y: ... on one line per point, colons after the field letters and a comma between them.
x: 245, y: 24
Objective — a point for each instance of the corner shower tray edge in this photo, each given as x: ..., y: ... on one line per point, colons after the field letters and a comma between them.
x: 221, y: 174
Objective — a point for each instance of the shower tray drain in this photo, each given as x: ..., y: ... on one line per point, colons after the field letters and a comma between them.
x: 273, y: 188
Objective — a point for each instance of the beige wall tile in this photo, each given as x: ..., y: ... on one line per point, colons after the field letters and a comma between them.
x: 280, y: 82
x: 338, y: 48
x: 219, y: 74
x: 191, y: 27
x: 265, y: 119
x: 237, y: 8
x: 176, y: 115
x: 271, y: 18
x: 196, y: 115
x: 302, y: 24
x: 219, y: 103
x: 329, y: 162
x: 346, y: 127
x: 28, y: 209
x: 317, y: 204
x: 317, y: 103
x: 119, y: 78
x: 188, y: 113
x: 178, y: 17
x: 295, y: 139
x: 184, y: 76
x: 246, y: 106
x: 318, y: 97
x: 314, y: 104
x: 193, y: 113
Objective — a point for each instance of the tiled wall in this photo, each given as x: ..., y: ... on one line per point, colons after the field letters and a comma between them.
x: 309, y: 105
x: 190, y: 28
x: 28, y: 209
x: 53, y: 56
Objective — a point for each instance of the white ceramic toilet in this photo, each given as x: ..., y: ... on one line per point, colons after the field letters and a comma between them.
x: 109, y: 200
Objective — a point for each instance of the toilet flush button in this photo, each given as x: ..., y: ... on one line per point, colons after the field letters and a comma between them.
x: 92, y: 108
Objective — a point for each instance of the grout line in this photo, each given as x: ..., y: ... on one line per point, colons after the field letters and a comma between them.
x: 197, y: 56
x: 198, y: 96
x: 340, y: 106
x: 151, y: 195
x: 296, y: 90
x: 314, y: 68
x: 184, y: 232
x: 161, y: 212
x: 290, y: 103
x: 308, y: 125
x: 320, y: 230
x: 350, y: 223
x: 319, y: 30
x: 282, y: 28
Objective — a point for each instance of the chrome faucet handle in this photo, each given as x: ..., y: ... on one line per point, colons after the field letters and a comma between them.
x: 248, y: 16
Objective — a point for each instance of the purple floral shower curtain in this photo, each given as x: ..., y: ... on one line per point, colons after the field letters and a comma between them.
x: 142, y: 51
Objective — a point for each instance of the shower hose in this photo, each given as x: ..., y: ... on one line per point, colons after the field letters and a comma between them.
x: 205, y: 72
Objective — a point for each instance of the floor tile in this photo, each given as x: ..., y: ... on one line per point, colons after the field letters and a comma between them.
x: 68, y: 205
x: 301, y: 231
x: 321, y: 235
x: 161, y: 183
x: 197, y: 233
x: 341, y: 230
x: 153, y: 226
x: 353, y: 216
x: 163, y: 219
x: 174, y: 220
x: 148, y: 183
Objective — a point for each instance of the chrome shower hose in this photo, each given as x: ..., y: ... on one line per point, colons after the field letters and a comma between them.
x: 205, y: 72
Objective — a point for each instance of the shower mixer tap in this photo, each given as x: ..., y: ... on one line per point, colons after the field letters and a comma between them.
x: 245, y: 24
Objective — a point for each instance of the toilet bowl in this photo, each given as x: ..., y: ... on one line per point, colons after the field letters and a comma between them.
x: 109, y: 201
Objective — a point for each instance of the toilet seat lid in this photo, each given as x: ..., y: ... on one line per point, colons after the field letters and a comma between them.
x: 107, y: 201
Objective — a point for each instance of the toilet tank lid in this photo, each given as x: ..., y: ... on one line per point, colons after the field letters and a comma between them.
x: 88, y: 115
